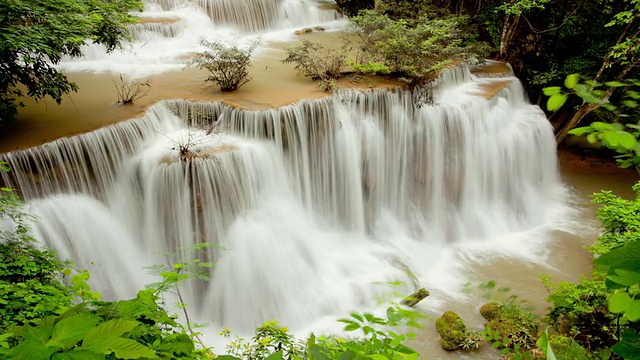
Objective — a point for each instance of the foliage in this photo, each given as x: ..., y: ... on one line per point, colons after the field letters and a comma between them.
x: 37, y: 34
x: 413, y: 43
x: 375, y: 341
x: 316, y: 61
x: 616, y: 134
x: 566, y: 348
x: 512, y: 330
x: 131, y: 90
x: 580, y: 311
x: 227, y: 62
x: 619, y: 219
x: 29, y: 277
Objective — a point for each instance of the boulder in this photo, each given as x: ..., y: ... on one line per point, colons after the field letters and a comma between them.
x: 452, y: 330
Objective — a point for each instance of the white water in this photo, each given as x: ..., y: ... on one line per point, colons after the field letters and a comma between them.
x: 170, y: 31
x: 312, y: 204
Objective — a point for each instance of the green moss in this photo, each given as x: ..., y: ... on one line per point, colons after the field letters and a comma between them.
x: 491, y: 311
x: 452, y: 330
x: 516, y: 324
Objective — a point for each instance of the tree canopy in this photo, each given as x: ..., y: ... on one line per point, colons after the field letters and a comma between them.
x: 36, y: 34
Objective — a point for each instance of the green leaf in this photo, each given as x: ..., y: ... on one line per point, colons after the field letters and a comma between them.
x: 78, y: 355
x: 320, y: 353
x: 625, y: 277
x: 32, y: 350
x: 352, y: 327
x: 551, y: 90
x: 571, y: 81
x: 580, y: 130
x: 626, y: 257
x: 615, y: 84
x: 619, y: 302
x: 378, y: 357
x: 68, y: 332
x: 347, y: 355
x: 275, y: 356
x: 504, y: 351
x: 122, y: 348
x: 556, y: 101
x: 633, y: 310
x: 227, y: 357
x: 629, y: 346
x: 110, y: 329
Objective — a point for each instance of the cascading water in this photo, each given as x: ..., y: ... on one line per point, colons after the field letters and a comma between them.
x: 311, y: 204
x: 170, y: 30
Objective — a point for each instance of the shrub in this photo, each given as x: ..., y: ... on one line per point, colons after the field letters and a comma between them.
x: 619, y: 218
x: 316, y: 61
x: 130, y: 90
x: 227, y: 63
x: 414, y: 46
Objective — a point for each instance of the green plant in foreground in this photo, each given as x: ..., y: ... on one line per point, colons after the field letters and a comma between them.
x: 375, y: 341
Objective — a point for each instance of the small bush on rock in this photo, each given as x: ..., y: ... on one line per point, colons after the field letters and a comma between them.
x: 228, y: 63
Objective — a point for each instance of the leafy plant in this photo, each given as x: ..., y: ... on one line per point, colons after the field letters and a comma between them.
x: 227, y: 62
x: 316, y: 61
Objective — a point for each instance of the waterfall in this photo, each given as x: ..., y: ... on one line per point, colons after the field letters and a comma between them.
x: 309, y: 205
x: 170, y: 30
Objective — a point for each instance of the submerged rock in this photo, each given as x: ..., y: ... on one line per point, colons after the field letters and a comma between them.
x: 452, y: 330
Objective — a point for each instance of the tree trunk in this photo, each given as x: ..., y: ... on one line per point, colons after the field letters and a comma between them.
x: 582, y: 111
x: 509, y: 27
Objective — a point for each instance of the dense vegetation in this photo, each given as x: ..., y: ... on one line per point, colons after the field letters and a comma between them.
x: 544, y: 40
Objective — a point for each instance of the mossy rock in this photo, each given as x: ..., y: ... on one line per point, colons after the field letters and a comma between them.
x: 452, y: 330
x: 491, y: 311
x: 514, y: 323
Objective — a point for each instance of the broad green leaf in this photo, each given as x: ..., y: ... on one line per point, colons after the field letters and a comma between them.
x: 625, y: 277
x: 71, y: 330
x: 571, y: 81
x: 556, y: 101
x: 551, y: 90
x: 275, y: 356
x: 633, y: 310
x: 352, y: 327
x: 39, y: 333
x: 320, y: 353
x: 32, y: 350
x: 227, y: 357
x: 599, y: 125
x: 629, y: 346
x: 626, y: 257
x: 78, y: 355
x: 592, y: 138
x: 122, y: 348
x: 627, y: 140
x: 543, y: 343
x: 378, y: 357
x: 110, y: 329
x: 619, y: 302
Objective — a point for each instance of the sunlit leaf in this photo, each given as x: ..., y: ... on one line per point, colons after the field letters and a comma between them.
x: 556, y: 101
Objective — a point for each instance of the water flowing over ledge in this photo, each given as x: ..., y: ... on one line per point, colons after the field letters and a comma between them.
x: 310, y: 203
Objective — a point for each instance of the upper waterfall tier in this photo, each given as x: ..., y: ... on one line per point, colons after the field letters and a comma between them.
x: 312, y: 202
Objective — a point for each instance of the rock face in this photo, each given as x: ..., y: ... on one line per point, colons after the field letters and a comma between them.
x: 452, y: 330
